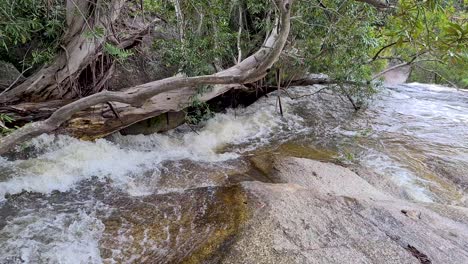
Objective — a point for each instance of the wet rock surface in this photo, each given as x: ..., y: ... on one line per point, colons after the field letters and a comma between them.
x: 328, y: 214
x: 230, y: 192
x: 180, y: 227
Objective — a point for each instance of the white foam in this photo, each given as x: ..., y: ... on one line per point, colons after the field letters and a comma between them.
x: 67, y: 161
x: 49, y: 237
x: 433, y: 87
x: 382, y: 164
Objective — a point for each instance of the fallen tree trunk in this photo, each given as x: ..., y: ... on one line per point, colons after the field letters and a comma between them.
x: 104, y: 119
x: 88, y: 115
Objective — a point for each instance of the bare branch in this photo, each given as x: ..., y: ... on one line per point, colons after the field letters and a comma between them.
x: 381, y: 50
x: 380, y: 74
x: 438, y: 74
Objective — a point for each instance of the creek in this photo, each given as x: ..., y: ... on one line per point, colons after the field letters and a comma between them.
x: 175, y: 196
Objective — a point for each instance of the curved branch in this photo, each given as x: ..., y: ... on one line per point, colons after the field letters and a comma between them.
x: 381, y: 50
x: 438, y: 74
x: 380, y: 74
x: 252, y: 68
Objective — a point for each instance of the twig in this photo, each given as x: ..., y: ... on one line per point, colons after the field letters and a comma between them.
x: 191, y: 128
x: 438, y: 74
x: 351, y: 100
x: 113, y: 111
x: 239, y: 34
x: 382, y: 49
x: 314, y: 93
x: 278, y: 80
x: 17, y: 79
x: 83, y: 15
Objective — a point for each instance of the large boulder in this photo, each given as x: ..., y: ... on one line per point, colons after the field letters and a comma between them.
x: 397, y: 76
x: 324, y: 213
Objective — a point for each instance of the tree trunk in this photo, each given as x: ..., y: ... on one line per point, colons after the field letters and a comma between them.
x: 92, y: 116
x: 80, y: 47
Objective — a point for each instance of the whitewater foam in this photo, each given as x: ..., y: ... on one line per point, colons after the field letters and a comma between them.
x: 46, y: 236
x: 121, y: 159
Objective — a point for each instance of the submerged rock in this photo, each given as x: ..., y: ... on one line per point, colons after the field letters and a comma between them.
x: 179, y: 227
x: 306, y: 212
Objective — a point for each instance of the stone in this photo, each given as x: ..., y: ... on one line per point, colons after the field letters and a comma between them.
x: 415, y: 215
x: 161, y: 123
x: 340, y: 218
x: 8, y: 75
x: 177, y: 227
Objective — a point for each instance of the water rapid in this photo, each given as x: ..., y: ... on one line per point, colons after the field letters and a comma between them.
x: 117, y: 199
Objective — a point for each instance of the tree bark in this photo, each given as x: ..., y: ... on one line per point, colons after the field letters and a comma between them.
x: 147, y: 100
x: 79, y: 49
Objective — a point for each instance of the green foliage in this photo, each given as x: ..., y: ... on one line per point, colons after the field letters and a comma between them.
x: 4, y: 121
x: 196, y: 56
x: 199, y: 111
x: 435, y: 72
x: 210, y: 30
x: 208, y: 37
x: 337, y: 38
x: 30, y: 29
x: 116, y: 52
x: 434, y: 31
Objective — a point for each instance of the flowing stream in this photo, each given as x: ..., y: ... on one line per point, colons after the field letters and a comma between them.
x: 153, y: 198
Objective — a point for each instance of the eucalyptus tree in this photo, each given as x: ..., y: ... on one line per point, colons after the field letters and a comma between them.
x: 71, y: 47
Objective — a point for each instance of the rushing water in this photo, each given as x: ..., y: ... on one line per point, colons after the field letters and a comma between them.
x: 117, y: 199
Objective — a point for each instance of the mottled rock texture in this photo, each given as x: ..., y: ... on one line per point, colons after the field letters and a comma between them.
x: 324, y: 213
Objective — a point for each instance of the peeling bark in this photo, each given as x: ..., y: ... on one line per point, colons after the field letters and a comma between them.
x: 79, y: 50
x: 150, y: 99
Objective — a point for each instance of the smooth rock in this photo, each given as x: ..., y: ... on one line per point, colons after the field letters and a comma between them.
x: 397, y: 76
x: 325, y: 213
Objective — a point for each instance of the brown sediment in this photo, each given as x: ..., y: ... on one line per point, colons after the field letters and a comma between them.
x: 231, y: 209
x: 300, y: 151
x: 187, y: 227
x: 263, y: 161
x: 440, y: 185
